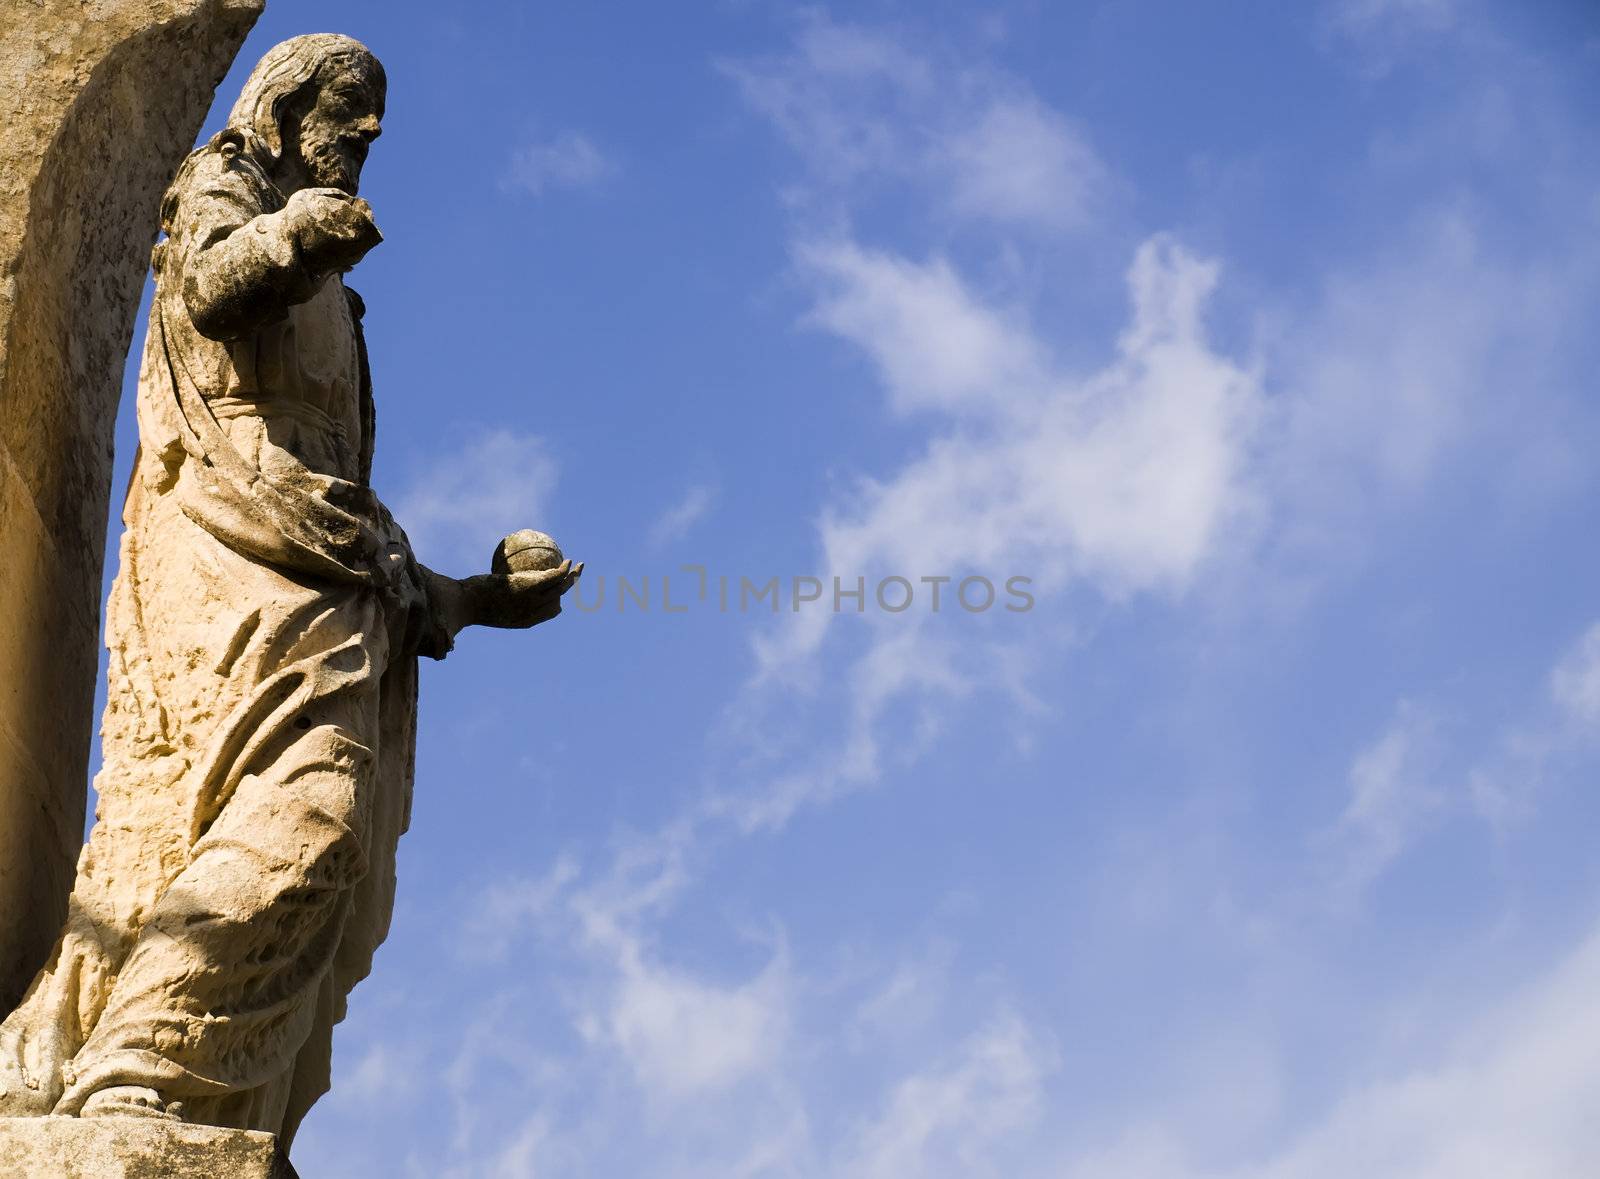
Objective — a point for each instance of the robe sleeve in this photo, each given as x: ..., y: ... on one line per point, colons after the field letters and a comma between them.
x: 242, y: 265
x: 298, y: 519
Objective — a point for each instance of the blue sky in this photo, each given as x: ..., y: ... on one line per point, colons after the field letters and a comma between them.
x: 1260, y: 337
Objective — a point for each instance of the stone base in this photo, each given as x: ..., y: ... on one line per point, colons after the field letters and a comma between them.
x: 135, y: 1148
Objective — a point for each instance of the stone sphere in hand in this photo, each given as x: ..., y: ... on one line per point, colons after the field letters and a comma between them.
x: 526, y: 552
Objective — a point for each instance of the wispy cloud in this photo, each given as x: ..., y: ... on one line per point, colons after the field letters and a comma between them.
x: 1393, y: 793
x: 679, y: 518
x: 569, y: 159
x: 1370, y: 16
x: 1575, y: 682
x: 1126, y: 480
x: 1507, y: 786
x: 936, y: 344
x: 961, y: 1118
x: 1122, y: 477
x: 683, y: 1036
x: 389, y: 1072
x: 1384, y: 33
x: 1020, y: 162
x: 1510, y: 1093
x: 1121, y: 481
x: 511, y: 906
x: 461, y: 500
x: 861, y: 107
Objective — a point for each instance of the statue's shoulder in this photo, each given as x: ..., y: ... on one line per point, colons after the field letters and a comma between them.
x: 228, y: 167
x: 234, y: 161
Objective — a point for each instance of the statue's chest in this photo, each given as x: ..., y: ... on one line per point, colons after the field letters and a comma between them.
x: 323, y: 344
x: 308, y: 358
x: 301, y: 377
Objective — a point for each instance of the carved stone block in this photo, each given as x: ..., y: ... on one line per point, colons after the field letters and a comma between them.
x: 135, y: 1148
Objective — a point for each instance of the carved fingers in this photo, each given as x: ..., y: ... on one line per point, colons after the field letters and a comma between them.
x: 333, y: 229
x: 521, y: 600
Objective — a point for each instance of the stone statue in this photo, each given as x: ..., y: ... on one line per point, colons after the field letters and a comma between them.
x: 263, y: 630
x: 99, y: 104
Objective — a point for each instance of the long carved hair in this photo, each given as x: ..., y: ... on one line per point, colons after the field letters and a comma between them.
x: 255, y: 125
x: 287, y: 70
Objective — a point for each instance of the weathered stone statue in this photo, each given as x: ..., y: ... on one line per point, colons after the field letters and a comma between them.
x: 264, y: 629
x: 99, y: 104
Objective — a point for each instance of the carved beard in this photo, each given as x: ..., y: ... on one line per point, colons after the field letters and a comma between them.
x: 332, y: 162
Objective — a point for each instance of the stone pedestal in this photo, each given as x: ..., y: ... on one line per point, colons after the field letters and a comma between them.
x: 135, y: 1148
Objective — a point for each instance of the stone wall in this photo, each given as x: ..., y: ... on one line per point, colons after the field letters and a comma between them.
x: 99, y: 102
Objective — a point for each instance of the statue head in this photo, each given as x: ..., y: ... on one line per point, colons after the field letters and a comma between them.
x: 313, y: 106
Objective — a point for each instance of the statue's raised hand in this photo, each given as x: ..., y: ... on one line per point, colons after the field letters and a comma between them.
x: 333, y: 229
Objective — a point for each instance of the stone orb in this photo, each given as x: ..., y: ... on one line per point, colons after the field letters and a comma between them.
x: 526, y: 552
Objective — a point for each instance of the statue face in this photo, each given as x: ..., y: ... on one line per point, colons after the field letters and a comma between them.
x: 335, y: 133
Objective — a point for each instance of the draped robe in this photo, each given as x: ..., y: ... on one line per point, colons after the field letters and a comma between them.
x: 259, y: 730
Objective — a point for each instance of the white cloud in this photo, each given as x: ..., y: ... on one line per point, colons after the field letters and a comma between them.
x: 1372, y: 15
x: 683, y: 1036
x: 839, y: 98
x: 1386, y: 369
x: 906, y: 1002
x: 1021, y: 162
x: 526, y: 1154
x: 1507, y: 787
x: 1393, y: 386
x: 473, y: 1070
x: 891, y: 667
x: 1509, y: 1093
x: 1123, y: 480
x: 1575, y: 683
x: 964, y: 1118
x: 461, y: 501
x: 1383, y: 33
x: 388, y: 1072
x: 1392, y: 796
x: 1513, y: 1095
x: 569, y: 159
x: 679, y: 518
x: 935, y: 343
x: 507, y: 907
x: 1123, y: 477
x: 859, y: 105
x: 678, y: 1034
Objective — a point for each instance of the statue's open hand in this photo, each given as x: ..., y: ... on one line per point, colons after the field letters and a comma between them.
x: 333, y: 229
x: 520, y: 600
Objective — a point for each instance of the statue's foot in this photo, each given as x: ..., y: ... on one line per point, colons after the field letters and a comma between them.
x: 124, y: 1101
x: 20, y: 1097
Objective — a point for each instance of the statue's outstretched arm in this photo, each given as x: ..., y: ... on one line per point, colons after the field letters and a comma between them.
x: 511, y: 601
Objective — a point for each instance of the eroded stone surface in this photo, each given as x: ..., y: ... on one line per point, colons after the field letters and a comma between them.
x: 131, y: 1148
x: 99, y: 100
x: 264, y: 629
